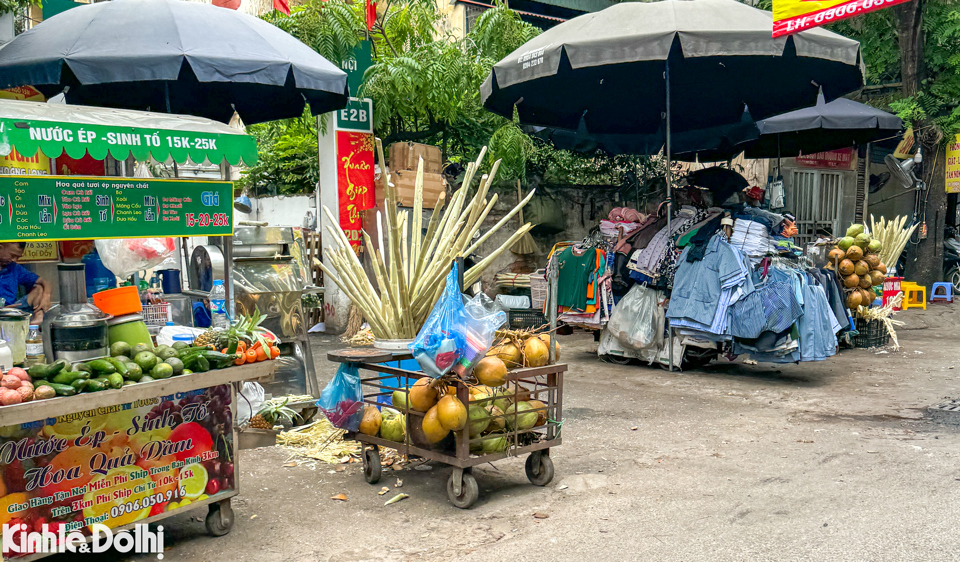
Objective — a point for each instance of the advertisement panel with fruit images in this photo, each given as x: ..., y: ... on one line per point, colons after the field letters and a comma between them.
x: 118, y: 465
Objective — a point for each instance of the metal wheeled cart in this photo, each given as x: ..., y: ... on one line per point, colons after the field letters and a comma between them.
x: 219, y: 518
x: 381, y: 380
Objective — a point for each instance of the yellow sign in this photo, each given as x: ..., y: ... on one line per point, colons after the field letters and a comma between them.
x: 40, y: 251
x: 793, y: 16
x: 953, y: 166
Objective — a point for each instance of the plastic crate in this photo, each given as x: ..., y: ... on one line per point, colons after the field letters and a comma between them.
x: 156, y: 314
x: 525, y: 319
x: 872, y: 334
x: 538, y: 289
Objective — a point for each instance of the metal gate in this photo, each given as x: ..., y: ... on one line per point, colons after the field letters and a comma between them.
x: 818, y: 204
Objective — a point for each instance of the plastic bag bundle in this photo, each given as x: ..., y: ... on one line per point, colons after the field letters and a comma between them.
x: 638, y: 319
x: 458, y: 332
x: 124, y: 257
x: 342, y: 399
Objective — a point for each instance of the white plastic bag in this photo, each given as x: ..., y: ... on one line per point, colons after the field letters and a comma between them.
x: 124, y: 257
x: 638, y: 319
x: 249, y: 400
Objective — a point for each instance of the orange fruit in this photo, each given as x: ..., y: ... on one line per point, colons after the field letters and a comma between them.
x: 8, y: 500
x: 98, y: 509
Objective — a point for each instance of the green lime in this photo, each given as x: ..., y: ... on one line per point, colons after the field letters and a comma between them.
x: 134, y: 372
x: 166, y: 353
x: 178, y: 345
x: 146, y: 360
x: 120, y: 348
x: 140, y: 348
x: 146, y: 378
x: 187, y: 372
x: 162, y: 371
x: 175, y: 363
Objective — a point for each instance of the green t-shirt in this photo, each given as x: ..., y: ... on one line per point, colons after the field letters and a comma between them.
x: 575, y: 273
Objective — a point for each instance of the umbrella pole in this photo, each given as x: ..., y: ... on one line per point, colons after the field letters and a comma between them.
x: 666, y: 76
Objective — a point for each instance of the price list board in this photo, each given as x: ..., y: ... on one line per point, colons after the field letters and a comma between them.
x: 83, y: 208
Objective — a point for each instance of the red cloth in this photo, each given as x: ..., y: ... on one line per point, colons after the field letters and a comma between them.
x: 371, y: 14
x: 281, y: 6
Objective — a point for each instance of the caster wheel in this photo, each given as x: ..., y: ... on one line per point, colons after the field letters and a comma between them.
x: 371, y: 465
x: 219, y: 519
x: 539, y: 474
x: 617, y: 359
x: 469, y: 491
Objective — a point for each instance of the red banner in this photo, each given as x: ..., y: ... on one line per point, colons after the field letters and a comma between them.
x: 793, y: 16
x: 843, y: 159
x: 354, y: 182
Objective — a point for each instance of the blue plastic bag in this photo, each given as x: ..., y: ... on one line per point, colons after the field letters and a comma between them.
x: 458, y: 332
x: 342, y: 399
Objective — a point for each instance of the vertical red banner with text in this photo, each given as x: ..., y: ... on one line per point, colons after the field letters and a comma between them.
x: 354, y: 182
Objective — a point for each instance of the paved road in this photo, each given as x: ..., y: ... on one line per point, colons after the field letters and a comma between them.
x: 822, y: 461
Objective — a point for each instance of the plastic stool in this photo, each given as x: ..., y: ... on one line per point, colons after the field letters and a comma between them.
x: 914, y: 296
x: 946, y: 295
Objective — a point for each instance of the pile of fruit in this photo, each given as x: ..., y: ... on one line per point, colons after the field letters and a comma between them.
x: 496, y: 409
x: 857, y: 262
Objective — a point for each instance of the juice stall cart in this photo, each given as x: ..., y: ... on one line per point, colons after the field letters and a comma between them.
x: 127, y: 451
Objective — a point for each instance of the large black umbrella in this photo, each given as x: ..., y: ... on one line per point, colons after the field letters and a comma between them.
x: 841, y: 123
x: 699, y: 61
x: 173, y: 56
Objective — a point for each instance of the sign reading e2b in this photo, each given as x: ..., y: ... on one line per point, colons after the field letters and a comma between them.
x: 357, y: 116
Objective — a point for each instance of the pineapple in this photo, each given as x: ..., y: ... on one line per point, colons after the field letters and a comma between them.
x: 273, y: 413
x: 209, y: 337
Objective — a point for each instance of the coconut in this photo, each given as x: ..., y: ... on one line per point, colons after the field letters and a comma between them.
x: 478, y: 396
x: 517, y: 392
x: 862, y: 240
x: 851, y: 281
x: 873, y: 260
x: 877, y: 277
x: 545, y: 338
x: 399, y: 399
x: 432, y: 429
x: 495, y: 445
x: 370, y: 424
x: 479, y: 420
x: 422, y: 395
x: 541, y: 414
x: 866, y: 281
x: 845, y: 268
x: 836, y: 255
x: 855, y: 230
x: 508, y: 353
x: 855, y: 254
x: 845, y: 243
x: 875, y: 246
x: 452, y: 413
x: 525, y: 417
x: 882, y: 268
x: 861, y: 268
x: 503, y: 400
x: 491, y: 371
x: 854, y: 299
x: 497, y: 422
x: 393, y: 427
x: 535, y: 353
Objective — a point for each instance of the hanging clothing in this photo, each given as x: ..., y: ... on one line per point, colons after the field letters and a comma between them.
x: 577, y: 271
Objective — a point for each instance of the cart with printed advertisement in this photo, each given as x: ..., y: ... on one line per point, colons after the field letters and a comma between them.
x: 127, y: 452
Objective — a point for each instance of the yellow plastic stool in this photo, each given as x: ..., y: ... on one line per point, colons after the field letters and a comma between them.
x: 910, y: 295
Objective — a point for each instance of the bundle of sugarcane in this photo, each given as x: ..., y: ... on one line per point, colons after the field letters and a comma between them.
x: 410, y: 277
x: 893, y: 236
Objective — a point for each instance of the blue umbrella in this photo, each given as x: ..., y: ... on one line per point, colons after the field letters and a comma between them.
x: 173, y: 56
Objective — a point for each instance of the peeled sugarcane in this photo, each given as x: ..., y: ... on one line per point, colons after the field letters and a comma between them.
x: 409, y: 268
x: 893, y: 236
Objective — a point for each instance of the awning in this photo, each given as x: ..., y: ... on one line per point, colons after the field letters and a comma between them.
x: 55, y: 129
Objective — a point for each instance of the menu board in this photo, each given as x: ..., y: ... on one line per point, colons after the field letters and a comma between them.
x: 75, y: 208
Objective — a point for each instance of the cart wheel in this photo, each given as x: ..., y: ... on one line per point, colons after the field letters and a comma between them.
x: 469, y: 491
x: 617, y: 359
x: 219, y: 519
x: 371, y: 465
x: 539, y: 473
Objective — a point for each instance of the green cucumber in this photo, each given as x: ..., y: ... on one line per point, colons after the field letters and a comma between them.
x: 82, y: 367
x: 102, y: 366
x: 79, y: 384
x: 43, y: 371
x: 62, y: 389
x: 115, y: 380
x: 119, y: 365
x: 69, y: 377
x: 95, y: 385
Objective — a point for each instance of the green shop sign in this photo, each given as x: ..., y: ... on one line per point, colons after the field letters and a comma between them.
x: 34, y: 208
x: 75, y: 139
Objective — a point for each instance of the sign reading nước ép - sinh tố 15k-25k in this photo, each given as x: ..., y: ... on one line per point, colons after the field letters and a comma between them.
x: 83, y: 208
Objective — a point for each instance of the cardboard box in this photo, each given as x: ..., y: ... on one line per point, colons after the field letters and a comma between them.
x: 405, y: 182
x: 406, y: 156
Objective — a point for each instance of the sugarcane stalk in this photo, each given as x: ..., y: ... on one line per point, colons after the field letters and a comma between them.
x: 417, y: 225
x: 502, y: 222
x: 474, y: 273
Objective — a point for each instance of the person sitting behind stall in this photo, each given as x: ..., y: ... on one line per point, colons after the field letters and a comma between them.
x: 20, y: 287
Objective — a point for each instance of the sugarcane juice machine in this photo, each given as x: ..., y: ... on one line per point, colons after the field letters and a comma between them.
x: 269, y: 275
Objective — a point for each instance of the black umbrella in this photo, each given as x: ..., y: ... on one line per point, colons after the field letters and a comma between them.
x: 173, y: 56
x: 839, y: 124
